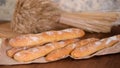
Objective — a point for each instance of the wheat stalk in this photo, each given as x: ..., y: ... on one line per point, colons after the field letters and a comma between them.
x: 93, y: 22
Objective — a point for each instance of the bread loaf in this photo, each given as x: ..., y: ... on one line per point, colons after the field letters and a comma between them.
x: 65, y: 51
x: 91, y: 48
x: 12, y: 51
x: 30, y: 40
x: 40, y: 51
x: 53, y: 51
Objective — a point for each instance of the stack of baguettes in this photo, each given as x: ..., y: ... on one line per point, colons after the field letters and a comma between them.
x: 55, y: 45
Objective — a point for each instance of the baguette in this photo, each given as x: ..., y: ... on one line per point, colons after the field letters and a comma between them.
x: 12, y: 51
x: 64, y: 52
x: 86, y: 41
x: 40, y: 51
x: 89, y: 49
x: 45, y: 37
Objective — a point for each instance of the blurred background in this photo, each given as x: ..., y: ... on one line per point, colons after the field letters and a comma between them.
x: 7, y: 6
x: 6, y: 9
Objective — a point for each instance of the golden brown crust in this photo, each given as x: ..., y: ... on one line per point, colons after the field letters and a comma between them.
x: 40, y: 51
x: 62, y: 49
x: 89, y: 49
x: 12, y: 51
x: 64, y: 52
x: 60, y: 53
x: 45, y: 37
x: 86, y: 41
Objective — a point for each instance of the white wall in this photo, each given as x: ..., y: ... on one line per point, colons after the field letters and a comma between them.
x: 7, y: 9
x: 7, y: 6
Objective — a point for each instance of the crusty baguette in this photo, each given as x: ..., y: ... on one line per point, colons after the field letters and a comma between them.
x: 12, y: 51
x: 39, y: 51
x: 64, y: 52
x: 86, y: 41
x: 89, y: 49
x: 45, y: 37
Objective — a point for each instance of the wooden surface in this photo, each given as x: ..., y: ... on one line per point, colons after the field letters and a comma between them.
x: 108, y: 61
x: 5, y: 30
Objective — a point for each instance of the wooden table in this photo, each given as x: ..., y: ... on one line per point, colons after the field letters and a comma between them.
x: 108, y: 61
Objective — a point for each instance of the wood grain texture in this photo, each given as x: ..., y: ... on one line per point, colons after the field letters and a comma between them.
x: 108, y: 61
x: 5, y: 30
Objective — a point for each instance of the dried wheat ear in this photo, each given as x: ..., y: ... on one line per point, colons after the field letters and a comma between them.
x: 34, y: 16
x: 91, y: 21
